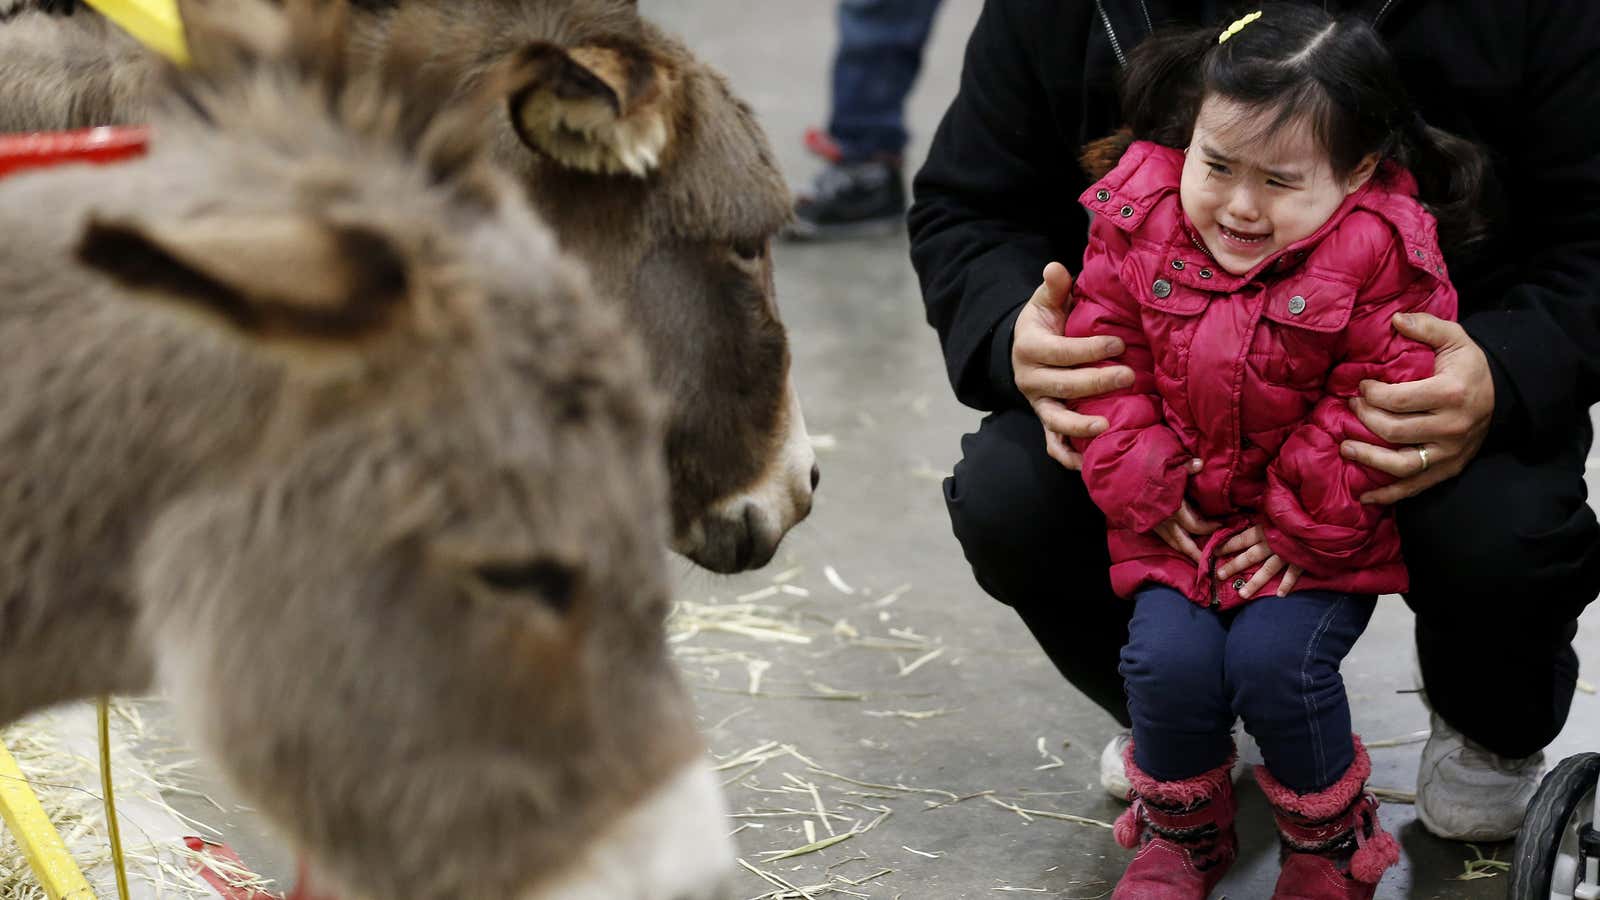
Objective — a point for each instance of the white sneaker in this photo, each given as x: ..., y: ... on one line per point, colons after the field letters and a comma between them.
x: 1113, y: 771
x: 1467, y: 793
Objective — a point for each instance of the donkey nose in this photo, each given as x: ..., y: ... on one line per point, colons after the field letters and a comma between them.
x: 816, y: 476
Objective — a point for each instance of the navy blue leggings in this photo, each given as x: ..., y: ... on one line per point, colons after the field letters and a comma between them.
x: 1190, y: 672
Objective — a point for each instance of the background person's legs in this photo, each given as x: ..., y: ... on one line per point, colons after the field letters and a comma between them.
x: 1503, y: 559
x: 862, y: 191
x: 1036, y: 543
x: 880, y: 54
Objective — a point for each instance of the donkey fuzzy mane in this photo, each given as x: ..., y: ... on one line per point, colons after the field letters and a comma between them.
x: 250, y: 56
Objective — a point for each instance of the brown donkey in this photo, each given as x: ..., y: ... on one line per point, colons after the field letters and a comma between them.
x: 641, y: 158
x: 305, y: 421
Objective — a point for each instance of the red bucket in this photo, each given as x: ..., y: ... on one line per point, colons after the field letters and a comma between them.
x: 50, y: 148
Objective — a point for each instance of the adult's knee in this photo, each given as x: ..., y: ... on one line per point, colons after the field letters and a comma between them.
x: 1021, y: 518
x: 1505, y: 530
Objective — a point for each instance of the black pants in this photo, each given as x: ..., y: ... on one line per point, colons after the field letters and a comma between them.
x: 1503, y: 559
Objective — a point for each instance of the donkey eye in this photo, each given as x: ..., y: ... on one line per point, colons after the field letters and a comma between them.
x: 550, y: 582
x: 749, y: 250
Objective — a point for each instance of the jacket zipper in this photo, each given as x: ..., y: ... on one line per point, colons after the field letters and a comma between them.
x: 1116, y: 45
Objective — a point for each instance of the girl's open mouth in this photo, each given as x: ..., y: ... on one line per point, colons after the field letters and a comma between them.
x: 1242, y: 239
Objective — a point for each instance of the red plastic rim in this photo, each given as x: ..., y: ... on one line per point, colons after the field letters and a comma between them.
x: 49, y: 148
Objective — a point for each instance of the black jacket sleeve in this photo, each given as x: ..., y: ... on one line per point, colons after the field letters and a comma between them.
x: 997, y: 197
x: 1543, y: 336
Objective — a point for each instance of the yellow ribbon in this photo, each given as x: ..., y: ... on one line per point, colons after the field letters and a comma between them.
x: 1238, y: 26
x: 155, y: 23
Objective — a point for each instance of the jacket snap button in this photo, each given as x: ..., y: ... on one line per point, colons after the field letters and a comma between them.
x: 1297, y: 305
x: 1127, y: 212
x: 1178, y: 264
x: 1205, y: 273
x: 1102, y: 195
x: 1238, y: 584
x: 1162, y: 287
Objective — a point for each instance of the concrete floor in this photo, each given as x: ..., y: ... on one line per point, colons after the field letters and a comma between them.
x: 872, y: 380
x: 932, y: 687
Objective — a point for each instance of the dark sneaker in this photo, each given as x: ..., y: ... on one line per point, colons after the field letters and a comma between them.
x: 849, y: 200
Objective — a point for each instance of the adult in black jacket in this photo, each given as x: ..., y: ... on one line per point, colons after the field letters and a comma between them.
x: 1503, y: 550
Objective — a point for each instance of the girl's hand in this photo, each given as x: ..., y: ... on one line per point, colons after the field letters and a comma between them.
x: 1180, y: 531
x: 1251, y: 547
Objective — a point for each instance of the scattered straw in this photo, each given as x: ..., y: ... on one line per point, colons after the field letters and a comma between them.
x: 1028, y: 814
x: 922, y: 852
x: 921, y: 661
x: 746, y: 619
x: 812, y: 847
x: 1415, y: 737
x: 913, y: 715
x: 59, y: 763
x: 832, y: 574
x: 1052, y: 761
x: 773, y: 879
x: 1393, y: 795
x: 931, y: 805
x: 757, y: 667
x: 889, y: 598
x: 1483, y: 866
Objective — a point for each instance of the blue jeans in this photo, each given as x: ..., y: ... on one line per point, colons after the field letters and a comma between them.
x: 880, y: 53
x: 1190, y: 671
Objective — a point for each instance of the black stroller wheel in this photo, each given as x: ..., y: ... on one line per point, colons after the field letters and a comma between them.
x: 1557, y: 842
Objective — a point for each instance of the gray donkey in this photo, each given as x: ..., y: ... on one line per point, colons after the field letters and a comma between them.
x: 305, y: 421
x: 644, y: 162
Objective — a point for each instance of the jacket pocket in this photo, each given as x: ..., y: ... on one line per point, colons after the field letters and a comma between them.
x: 1301, y: 331
x: 1169, y: 314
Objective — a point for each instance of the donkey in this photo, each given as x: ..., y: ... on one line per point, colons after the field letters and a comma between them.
x: 306, y: 421
x: 650, y: 171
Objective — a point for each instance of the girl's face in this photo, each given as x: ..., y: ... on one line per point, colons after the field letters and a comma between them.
x: 1249, y: 198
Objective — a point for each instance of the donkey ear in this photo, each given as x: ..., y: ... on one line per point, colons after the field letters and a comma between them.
x: 273, y: 278
x: 606, y: 109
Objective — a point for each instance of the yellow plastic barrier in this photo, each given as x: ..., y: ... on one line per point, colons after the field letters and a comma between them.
x: 155, y: 23
x: 41, y: 844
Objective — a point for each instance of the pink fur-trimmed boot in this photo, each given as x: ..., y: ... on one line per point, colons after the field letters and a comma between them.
x: 1183, y: 831
x: 1334, y: 847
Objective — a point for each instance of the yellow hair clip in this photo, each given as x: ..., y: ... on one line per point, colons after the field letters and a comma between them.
x: 155, y: 23
x: 1238, y: 26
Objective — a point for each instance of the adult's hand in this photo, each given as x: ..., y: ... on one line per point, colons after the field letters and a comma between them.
x: 1050, y: 368
x: 1444, y: 419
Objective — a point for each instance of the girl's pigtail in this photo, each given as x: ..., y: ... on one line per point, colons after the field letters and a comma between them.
x: 1100, y: 156
x: 1163, y: 85
x: 1451, y: 173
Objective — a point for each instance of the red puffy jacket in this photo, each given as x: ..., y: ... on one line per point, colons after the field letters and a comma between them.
x: 1251, y: 374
